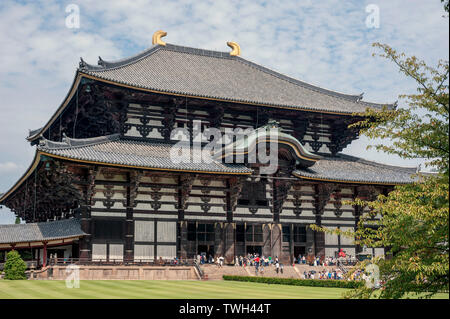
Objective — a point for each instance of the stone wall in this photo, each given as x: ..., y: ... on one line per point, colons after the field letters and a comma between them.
x: 122, y: 273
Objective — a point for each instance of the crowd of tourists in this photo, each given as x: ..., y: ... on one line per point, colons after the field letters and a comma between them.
x: 326, y: 261
x: 261, y: 262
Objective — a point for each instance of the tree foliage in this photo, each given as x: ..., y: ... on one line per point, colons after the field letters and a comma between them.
x: 445, y: 2
x: 414, y: 222
x: 14, y: 266
x: 422, y: 129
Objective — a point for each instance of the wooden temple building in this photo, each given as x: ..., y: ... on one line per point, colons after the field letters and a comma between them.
x: 102, y: 163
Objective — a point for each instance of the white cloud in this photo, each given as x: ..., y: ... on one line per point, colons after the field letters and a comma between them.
x: 9, y: 167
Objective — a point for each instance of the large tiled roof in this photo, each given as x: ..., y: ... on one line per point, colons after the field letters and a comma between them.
x: 35, y: 232
x: 347, y: 168
x: 113, y: 150
x: 217, y: 75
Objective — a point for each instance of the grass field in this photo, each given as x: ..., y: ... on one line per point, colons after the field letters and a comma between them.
x: 121, y: 289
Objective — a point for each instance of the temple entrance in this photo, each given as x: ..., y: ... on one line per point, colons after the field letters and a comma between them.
x: 58, y: 253
x: 205, y: 250
x: 299, y: 250
x: 254, y: 250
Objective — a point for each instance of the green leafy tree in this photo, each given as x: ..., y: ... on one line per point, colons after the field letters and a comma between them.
x: 445, y: 2
x: 414, y: 223
x: 14, y: 266
x: 17, y: 221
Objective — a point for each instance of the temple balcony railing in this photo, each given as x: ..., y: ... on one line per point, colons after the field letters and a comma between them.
x: 119, y: 262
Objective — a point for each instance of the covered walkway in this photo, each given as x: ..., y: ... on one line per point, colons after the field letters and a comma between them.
x: 58, y: 237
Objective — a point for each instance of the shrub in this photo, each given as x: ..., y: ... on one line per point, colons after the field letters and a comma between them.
x: 298, y: 282
x: 14, y: 266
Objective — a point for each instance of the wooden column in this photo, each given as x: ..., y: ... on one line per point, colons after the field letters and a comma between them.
x: 183, y: 249
x: 85, y: 214
x: 321, y: 198
x: 267, y: 247
x: 234, y: 187
x: 219, y: 247
x: 357, y: 210
x: 185, y: 182
x: 129, y: 236
x: 134, y: 179
x: 44, y: 257
x: 276, y: 240
x: 85, y: 241
x: 319, y: 239
x: 229, y: 245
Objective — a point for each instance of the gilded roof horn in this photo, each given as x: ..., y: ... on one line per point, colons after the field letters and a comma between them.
x: 236, y: 49
x: 156, y: 39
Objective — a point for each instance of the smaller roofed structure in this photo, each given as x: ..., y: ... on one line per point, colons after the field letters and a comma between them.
x: 17, y: 234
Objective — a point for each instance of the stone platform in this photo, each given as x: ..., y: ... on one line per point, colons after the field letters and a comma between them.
x: 120, y: 273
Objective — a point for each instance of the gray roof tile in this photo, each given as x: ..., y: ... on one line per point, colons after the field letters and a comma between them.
x: 112, y: 150
x: 32, y: 232
x: 347, y: 168
x: 217, y: 75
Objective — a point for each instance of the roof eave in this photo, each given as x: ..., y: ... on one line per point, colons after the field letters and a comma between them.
x: 75, y: 83
x: 28, y: 172
x: 319, y: 179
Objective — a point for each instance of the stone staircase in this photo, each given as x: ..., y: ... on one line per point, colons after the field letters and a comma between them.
x: 213, y: 272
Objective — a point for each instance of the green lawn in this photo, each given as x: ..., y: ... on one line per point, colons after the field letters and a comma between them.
x: 103, y: 289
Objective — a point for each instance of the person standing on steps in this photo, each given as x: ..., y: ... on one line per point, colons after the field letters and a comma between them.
x: 277, y: 265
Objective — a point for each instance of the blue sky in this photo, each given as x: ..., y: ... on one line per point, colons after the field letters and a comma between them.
x: 326, y: 43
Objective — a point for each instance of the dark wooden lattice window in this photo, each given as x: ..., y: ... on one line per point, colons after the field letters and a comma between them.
x: 253, y: 194
x: 254, y: 233
x: 205, y: 232
x: 240, y: 233
x: 108, y: 229
x: 300, y: 234
x: 286, y: 234
x: 191, y: 231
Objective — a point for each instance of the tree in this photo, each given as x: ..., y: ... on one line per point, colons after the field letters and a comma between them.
x: 17, y: 221
x: 445, y: 2
x: 414, y: 223
x: 14, y: 266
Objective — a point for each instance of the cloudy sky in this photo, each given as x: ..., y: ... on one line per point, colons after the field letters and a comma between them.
x: 326, y: 43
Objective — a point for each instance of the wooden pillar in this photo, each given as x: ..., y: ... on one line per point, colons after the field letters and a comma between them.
x: 319, y: 239
x: 183, y: 249
x: 321, y: 198
x: 44, y: 258
x: 219, y: 240
x: 134, y: 178
x: 276, y: 240
x: 228, y: 201
x: 85, y: 241
x: 267, y: 235
x: 129, y: 224
x: 129, y: 236
x: 357, y: 210
x: 275, y: 204
x: 229, y: 246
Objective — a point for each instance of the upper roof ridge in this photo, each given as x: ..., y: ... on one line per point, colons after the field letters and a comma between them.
x: 104, y: 65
